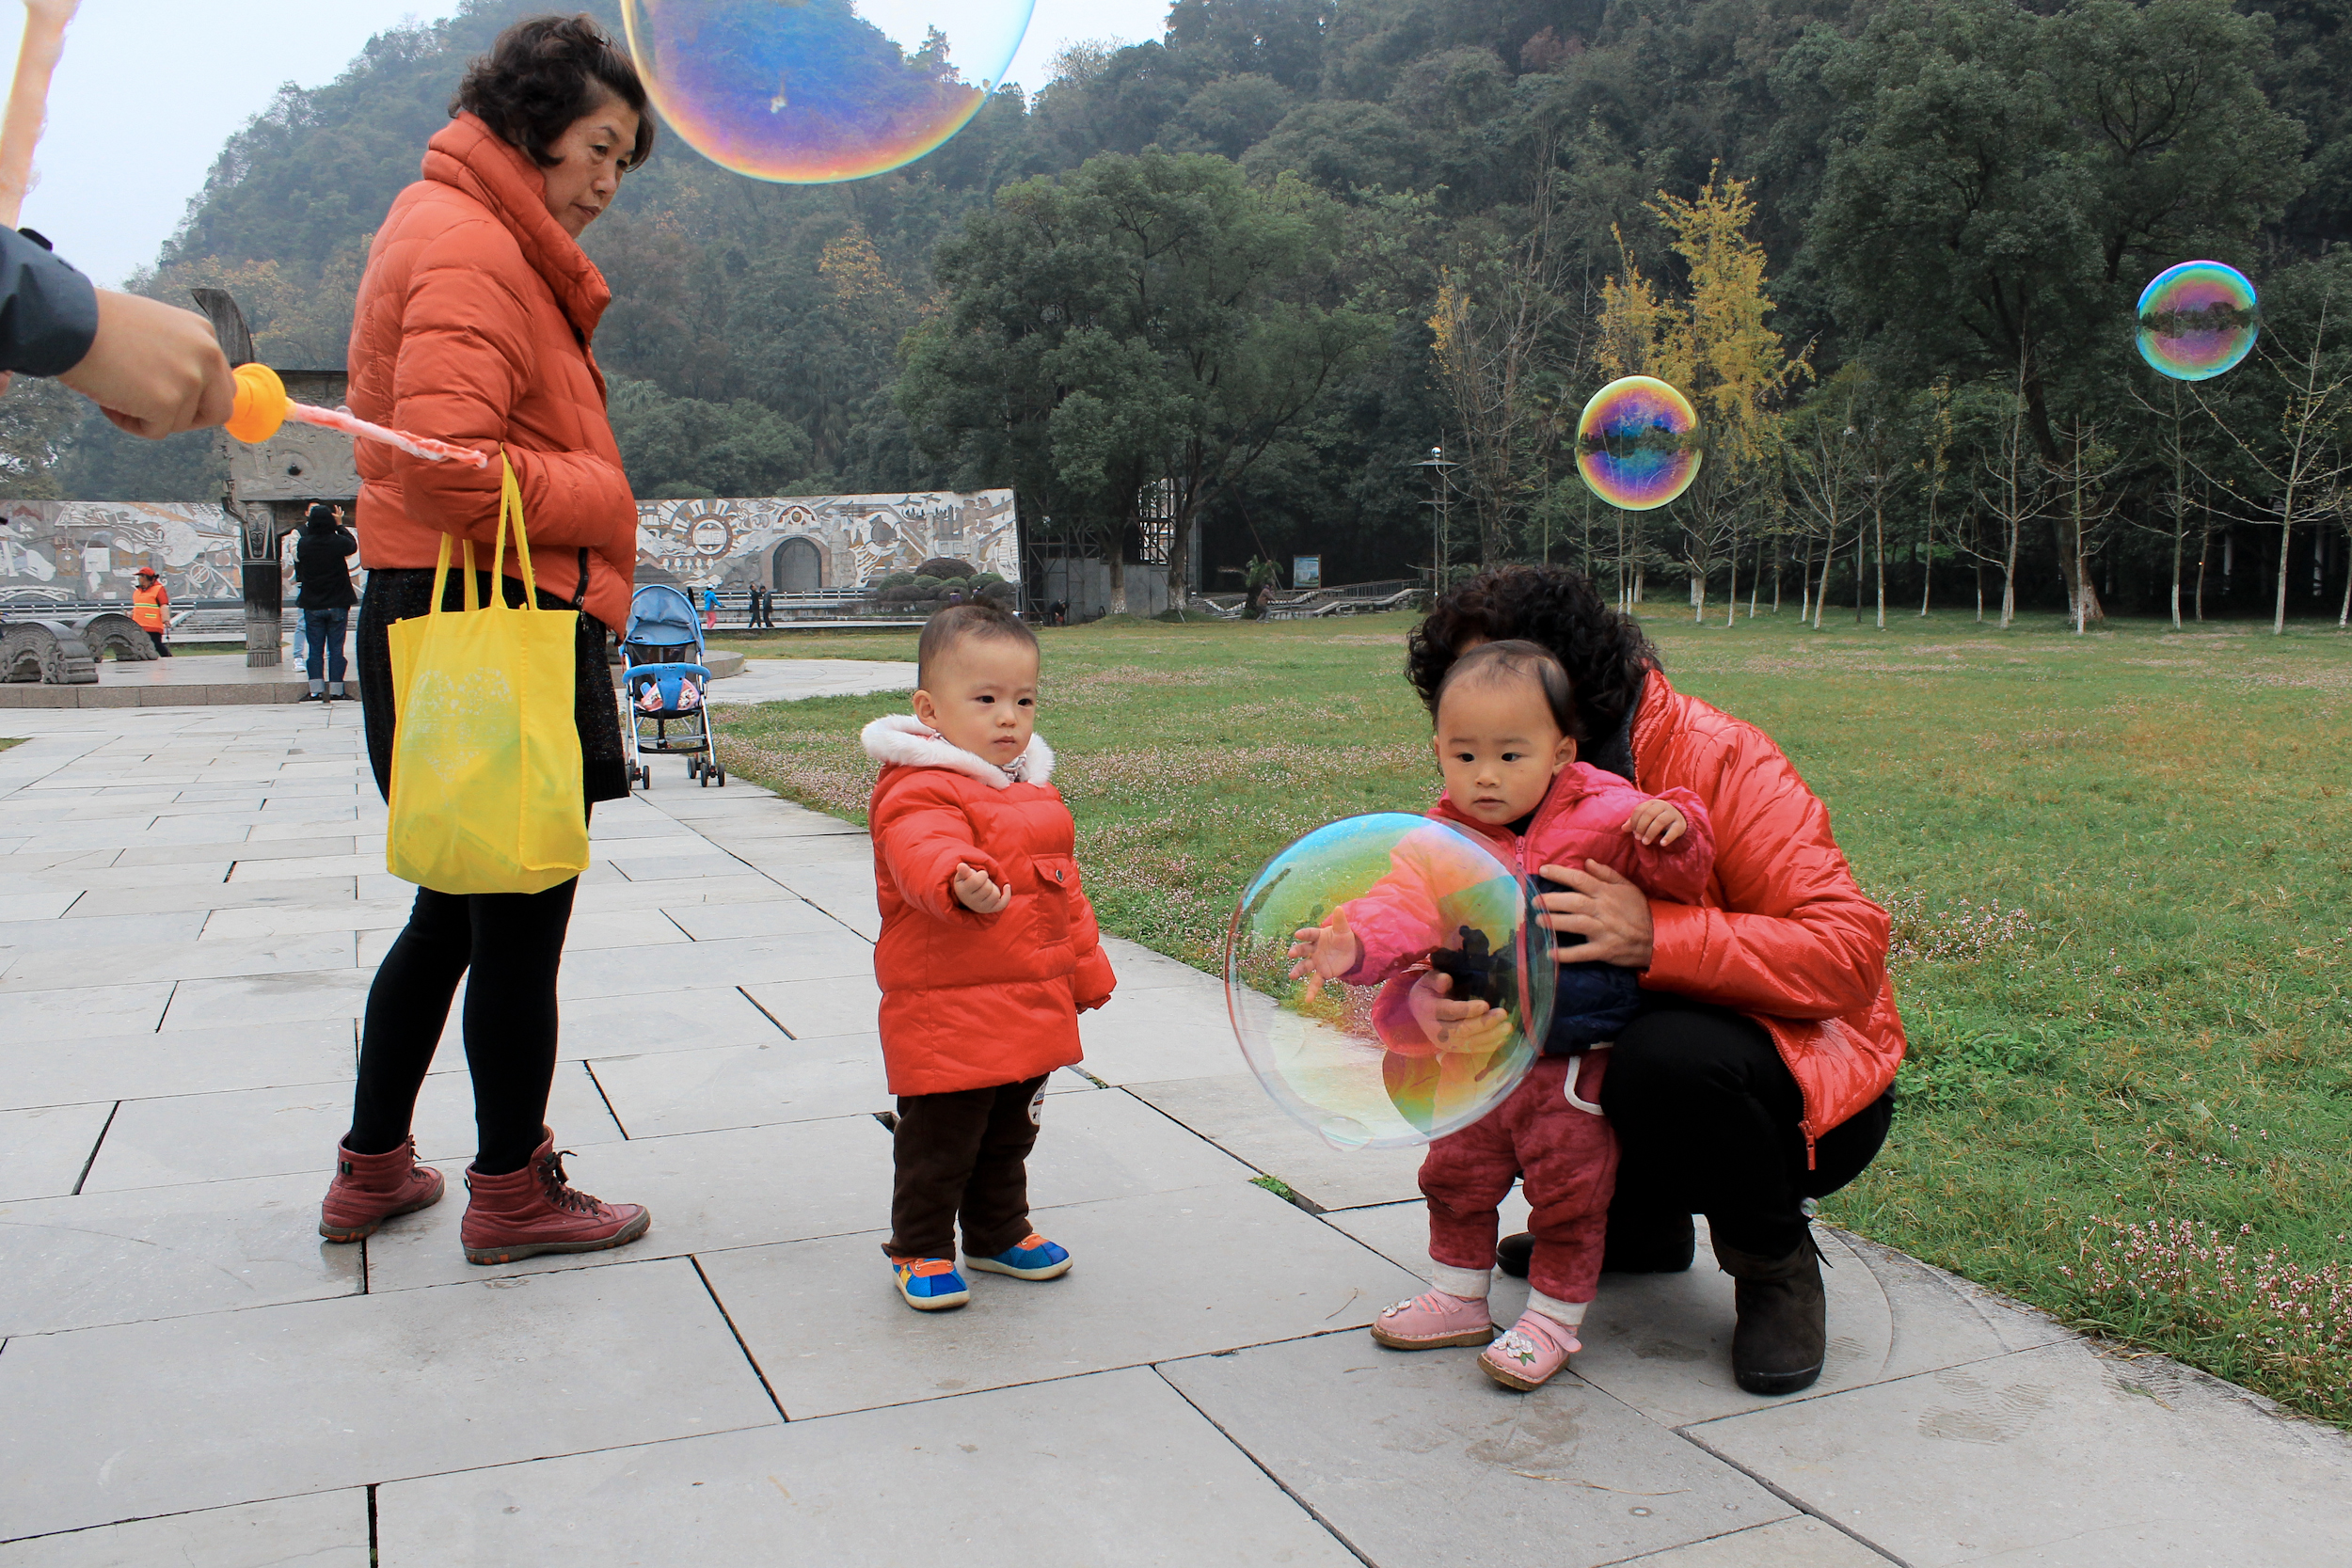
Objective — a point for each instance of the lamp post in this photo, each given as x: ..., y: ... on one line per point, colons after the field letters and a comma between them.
x: 1440, y: 494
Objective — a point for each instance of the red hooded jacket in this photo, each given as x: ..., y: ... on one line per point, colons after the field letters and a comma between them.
x: 472, y: 325
x: 1780, y: 931
x: 973, y: 1001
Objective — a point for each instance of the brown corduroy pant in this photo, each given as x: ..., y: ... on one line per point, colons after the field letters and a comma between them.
x: 963, y: 1156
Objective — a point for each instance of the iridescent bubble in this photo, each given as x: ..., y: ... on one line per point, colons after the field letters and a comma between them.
x: 2197, y: 320
x: 1638, y: 443
x: 1410, y: 892
x: 809, y: 91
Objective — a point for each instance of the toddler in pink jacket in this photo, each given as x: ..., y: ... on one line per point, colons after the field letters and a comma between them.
x: 1505, y: 742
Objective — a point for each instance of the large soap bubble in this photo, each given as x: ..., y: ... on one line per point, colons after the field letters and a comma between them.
x: 2197, y: 320
x: 1409, y: 889
x: 809, y: 91
x: 1638, y: 443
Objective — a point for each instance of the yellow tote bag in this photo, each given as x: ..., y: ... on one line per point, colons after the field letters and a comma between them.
x: 486, y: 752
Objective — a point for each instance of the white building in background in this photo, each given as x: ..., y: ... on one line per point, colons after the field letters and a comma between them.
x: 813, y: 544
x: 90, y: 552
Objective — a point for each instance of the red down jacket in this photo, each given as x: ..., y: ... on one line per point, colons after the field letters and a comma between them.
x: 973, y: 1000
x: 472, y: 325
x: 1780, y: 931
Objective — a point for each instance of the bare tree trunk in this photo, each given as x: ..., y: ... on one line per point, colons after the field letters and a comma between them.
x: 1878, y: 521
x: 2205, y: 550
x: 2009, y: 573
x: 1118, y: 578
x: 2287, y: 543
x: 1829, y: 562
x: 1775, y: 574
x: 1805, y: 585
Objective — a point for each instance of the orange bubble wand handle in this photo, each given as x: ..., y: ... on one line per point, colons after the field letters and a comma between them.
x: 28, y: 99
x: 262, y: 407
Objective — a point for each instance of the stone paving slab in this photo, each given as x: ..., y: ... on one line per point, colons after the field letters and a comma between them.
x: 323, y: 1529
x: 824, y: 1325
x: 44, y: 1151
x: 1417, y: 1457
x: 360, y: 1391
x: 208, y: 1246
x: 1113, y: 1468
x: 1235, y: 1112
x: 2057, y: 1456
x: 192, y: 1061
x: 270, y: 1132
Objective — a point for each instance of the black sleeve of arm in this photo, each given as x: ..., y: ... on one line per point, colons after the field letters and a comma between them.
x: 48, y: 311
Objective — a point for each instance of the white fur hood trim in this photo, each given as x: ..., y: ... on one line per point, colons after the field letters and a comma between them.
x: 906, y: 741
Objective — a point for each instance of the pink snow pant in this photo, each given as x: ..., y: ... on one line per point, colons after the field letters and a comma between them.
x: 1568, y: 1159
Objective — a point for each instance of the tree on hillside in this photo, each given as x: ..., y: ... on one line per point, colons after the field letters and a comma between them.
x: 1144, y: 318
x: 2005, y: 180
x: 676, y: 447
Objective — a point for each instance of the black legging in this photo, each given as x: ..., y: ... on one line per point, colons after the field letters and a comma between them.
x: 512, y: 942
x: 1707, y: 1116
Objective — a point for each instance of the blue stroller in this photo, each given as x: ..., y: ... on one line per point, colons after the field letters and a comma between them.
x: 664, y: 686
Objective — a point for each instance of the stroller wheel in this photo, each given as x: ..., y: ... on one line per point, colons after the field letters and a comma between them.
x: 704, y: 779
x: 723, y: 778
x: 694, y: 768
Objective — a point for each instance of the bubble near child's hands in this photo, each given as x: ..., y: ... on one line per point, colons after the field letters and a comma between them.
x: 1399, y: 892
x: 812, y: 91
x: 2197, y: 320
x: 1637, y: 444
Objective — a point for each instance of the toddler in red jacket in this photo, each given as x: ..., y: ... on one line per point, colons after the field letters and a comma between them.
x: 988, y: 955
x: 1506, y: 727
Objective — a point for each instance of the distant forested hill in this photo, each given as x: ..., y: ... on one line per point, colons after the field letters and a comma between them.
x: 756, y: 332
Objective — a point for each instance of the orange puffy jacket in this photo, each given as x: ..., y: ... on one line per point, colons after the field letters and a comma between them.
x: 973, y: 1000
x: 1782, y: 933
x: 472, y: 325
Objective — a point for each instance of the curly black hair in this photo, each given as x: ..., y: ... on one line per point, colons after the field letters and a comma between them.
x: 544, y: 72
x: 1603, y: 650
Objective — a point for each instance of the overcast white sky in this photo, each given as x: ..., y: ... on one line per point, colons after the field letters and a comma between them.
x: 150, y: 90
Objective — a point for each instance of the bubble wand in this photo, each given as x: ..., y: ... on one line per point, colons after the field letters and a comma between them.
x: 262, y: 406
x: 28, y: 99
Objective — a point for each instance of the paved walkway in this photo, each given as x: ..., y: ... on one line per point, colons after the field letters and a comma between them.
x: 190, y: 904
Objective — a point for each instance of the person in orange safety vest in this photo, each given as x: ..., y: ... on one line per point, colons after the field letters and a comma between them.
x: 151, y: 607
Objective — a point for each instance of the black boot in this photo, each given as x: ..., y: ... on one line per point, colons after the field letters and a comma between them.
x: 1783, y: 1333
x: 1638, y: 1243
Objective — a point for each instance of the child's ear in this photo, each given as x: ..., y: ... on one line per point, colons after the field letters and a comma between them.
x: 1565, y: 755
x: 926, y: 709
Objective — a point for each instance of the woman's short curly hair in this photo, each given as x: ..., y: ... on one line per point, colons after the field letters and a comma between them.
x: 544, y: 72
x: 1604, y: 652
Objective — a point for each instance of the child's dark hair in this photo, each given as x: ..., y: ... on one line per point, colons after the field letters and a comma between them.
x: 543, y: 73
x: 1491, y: 663
x: 960, y: 622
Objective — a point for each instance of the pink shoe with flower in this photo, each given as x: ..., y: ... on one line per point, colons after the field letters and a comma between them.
x: 1533, y: 1349
x: 1435, y: 1319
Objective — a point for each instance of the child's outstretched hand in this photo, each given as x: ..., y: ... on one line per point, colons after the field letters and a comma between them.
x: 1323, y: 952
x: 1656, y: 822
x: 976, y: 893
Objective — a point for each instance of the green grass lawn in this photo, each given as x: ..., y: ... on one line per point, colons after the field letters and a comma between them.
x: 2119, y: 867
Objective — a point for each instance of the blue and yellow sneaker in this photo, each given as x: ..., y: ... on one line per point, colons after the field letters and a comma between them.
x: 930, y: 1284
x: 1035, y: 1258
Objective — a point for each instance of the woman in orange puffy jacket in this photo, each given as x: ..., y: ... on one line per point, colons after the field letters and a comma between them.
x: 472, y: 325
x: 1758, y: 1073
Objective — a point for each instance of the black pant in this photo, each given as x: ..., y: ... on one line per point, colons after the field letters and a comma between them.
x: 513, y: 943
x: 965, y: 1155
x: 163, y: 649
x: 1707, y: 1119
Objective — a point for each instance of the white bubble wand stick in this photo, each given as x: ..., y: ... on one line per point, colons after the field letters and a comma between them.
x: 28, y: 99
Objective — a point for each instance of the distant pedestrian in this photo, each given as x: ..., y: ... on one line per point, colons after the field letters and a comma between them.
x: 710, y: 609
x: 151, y: 607
x: 989, y: 952
x: 763, y: 607
x: 325, y: 598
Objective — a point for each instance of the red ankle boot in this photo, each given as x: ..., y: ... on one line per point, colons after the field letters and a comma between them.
x: 535, y: 1210
x: 369, y: 1189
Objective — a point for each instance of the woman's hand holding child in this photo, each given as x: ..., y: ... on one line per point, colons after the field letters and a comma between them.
x: 976, y: 893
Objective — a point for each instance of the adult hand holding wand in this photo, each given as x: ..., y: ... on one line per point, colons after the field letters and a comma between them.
x: 153, y: 369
